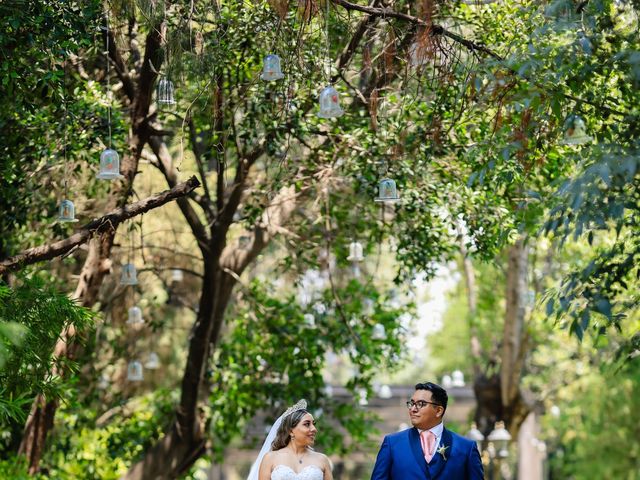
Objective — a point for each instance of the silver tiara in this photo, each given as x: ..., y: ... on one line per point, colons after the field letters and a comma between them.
x: 301, y: 405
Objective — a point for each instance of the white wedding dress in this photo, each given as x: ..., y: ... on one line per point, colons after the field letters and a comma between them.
x: 310, y: 472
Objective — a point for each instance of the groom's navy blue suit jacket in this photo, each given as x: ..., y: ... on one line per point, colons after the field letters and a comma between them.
x: 401, y: 458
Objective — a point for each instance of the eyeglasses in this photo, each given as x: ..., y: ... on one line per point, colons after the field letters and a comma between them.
x: 420, y: 404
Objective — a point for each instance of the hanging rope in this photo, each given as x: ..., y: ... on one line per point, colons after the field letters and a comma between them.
x: 108, y: 80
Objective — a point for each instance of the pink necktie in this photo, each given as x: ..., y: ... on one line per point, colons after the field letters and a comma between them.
x: 428, y: 441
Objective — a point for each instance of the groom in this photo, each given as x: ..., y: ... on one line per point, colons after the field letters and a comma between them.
x: 428, y: 450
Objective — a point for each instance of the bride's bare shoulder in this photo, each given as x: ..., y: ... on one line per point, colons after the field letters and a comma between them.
x: 321, y: 458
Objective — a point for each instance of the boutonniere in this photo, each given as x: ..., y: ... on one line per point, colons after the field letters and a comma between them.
x: 441, y: 450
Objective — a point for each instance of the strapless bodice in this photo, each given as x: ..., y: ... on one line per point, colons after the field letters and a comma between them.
x: 310, y: 472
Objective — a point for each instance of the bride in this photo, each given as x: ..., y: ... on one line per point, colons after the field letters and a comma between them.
x: 287, y: 454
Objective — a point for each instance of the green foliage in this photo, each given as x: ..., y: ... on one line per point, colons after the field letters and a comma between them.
x: 48, y: 112
x: 32, y: 315
x: 274, y: 355
x: 101, y: 446
x: 598, y: 419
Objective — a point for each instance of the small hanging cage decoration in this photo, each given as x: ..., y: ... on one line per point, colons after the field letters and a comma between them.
x: 153, y: 361
x: 135, y: 316
x: 165, y: 92
x: 134, y: 371
x: 355, y: 252
x: 67, y: 211
x: 129, y: 274
x: 387, y: 191
x: 271, y: 70
x: 109, y: 165
x: 330, y: 103
x: 575, y: 131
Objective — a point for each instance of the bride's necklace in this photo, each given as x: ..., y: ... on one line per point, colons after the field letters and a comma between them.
x: 301, y: 456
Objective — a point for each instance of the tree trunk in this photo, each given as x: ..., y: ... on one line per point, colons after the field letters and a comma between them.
x: 40, y: 420
x: 498, y: 392
x: 514, y: 339
x: 472, y: 304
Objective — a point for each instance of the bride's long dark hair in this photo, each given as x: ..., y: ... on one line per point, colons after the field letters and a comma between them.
x: 283, y: 436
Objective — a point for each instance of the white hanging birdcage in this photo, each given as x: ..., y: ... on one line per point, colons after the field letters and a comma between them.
x: 153, y: 361
x: 387, y: 191
x: 355, y: 252
x: 379, y: 332
x: 575, y: 131
x: 135, y: 316
x: 164, y: 92
x: 129, y: 274
x: 330, y: 103
x: 67, y: 211
x: 271, y: 69
x: 109, y: 165
x: 134, y: 371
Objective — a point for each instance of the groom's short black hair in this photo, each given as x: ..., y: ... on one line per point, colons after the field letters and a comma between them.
x: 438, y: 394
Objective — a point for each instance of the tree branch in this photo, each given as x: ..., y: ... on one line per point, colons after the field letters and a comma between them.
x: 435, y: 29
x: 103, y: 224
x: 165, y: 165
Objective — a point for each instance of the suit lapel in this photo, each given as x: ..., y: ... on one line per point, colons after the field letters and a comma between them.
x: 416, y: 449
x: 438, y: 461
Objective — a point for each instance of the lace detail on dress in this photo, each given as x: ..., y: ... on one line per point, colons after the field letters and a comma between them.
x: 310, y: 472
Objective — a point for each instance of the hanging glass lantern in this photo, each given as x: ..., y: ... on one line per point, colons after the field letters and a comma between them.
x: 575, y: 131
x: 355, y: 252
x: 153, y: 361
x: 135, y: 316
x: 164, y: 92
x: 385, y: 392
x: 134, y: 371
x: 104, y: 382
x: 362, y: 397
x: 309, y: 320
x: 330, y: 103
x: 177, y: 275
x: 129, y: 274
x: 457, y: 379
x: 379, y: 332
x: 271, y: 68
x: 109, y: 165
x: 67, y: 211
x: 368, y: 306
x: 328, y: 390
x: 387, y: 191
x: 244, y: 241
x: 418, y: 54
